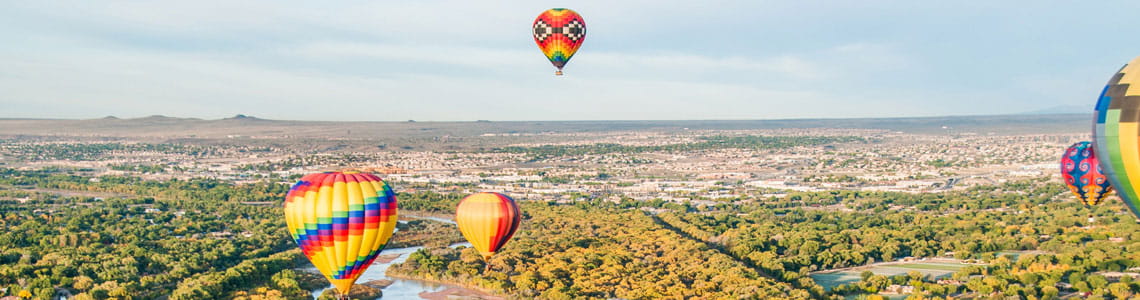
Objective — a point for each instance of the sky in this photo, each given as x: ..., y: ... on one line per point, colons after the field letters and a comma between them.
x: 444, y: 60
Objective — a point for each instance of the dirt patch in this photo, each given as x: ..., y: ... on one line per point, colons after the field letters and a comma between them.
x: 387, y: 258
x: 458, y: 293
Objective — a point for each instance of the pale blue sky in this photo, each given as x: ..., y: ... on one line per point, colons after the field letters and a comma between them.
x: 469, y: 60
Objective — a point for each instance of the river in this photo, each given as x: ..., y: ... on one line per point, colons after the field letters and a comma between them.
x: 437, y: 219
x: 400, y: 288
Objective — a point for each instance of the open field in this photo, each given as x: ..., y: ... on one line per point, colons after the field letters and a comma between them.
x: 935, y: 270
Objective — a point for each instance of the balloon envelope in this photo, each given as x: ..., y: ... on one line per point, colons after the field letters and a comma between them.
x: 1116, y: 130
x: 1083, y: 174
x: 487, y: 220
x: 559, y: 32
x: 341, y: 221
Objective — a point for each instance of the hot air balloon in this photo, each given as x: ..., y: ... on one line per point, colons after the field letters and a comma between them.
x: 1083, y: 175
x: 341, y: 221
x: 487, y: 220
x: 559, y: 33
x: 1116, y: 130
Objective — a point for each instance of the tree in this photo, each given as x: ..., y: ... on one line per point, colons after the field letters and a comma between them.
x: 1049, y: 292
x: 1120, y: 290
x: 1097, y: 281
x: 83, y: 283
x: 1028, y: 278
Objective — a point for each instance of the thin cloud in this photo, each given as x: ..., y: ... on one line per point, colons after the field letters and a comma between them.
x: 456, y: 60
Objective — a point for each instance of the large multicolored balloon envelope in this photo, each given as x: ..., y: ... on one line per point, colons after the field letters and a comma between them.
x: 1117, y: 129
x: 341, y: 221
x: 487, y: 220
x: 559, y: 33
x: 1083, y: 174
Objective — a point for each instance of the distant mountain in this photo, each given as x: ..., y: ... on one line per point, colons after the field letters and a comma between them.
x: 162, y: 118
x: 156, y: 117
x: 243, y: 117
x: 1062, y: 109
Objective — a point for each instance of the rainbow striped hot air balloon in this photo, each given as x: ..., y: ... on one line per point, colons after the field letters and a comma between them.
x: 1117, y: 130
x: 487, y: 220
x: 559, y: 32
x: 341, y: 221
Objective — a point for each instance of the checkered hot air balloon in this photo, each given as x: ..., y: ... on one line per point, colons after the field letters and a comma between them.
x: 559, y: 32
x: 1083, y: 174
x: 487, y: 220
x: 341, y: 221
x: 1117, y: 132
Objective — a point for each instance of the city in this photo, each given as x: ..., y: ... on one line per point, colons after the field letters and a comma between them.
x: 690, y: 180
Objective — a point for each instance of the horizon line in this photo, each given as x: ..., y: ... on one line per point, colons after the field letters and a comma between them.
x: 251, y: 117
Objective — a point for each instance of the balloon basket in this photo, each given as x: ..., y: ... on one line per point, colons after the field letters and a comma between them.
x: 558, y: 73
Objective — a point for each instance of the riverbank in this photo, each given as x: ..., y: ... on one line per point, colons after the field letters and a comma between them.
x: 408, y: 239
x: 455, y: 289
x: 401, y: 287
x: 418, y: 230
x: 446, y: 218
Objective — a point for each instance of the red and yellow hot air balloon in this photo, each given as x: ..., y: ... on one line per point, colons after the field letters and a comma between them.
x: 487, y: 220
x: 559, y: 33
x: 341, y: 221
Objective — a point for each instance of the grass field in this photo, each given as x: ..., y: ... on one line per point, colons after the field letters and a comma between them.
x: 932, y: 269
